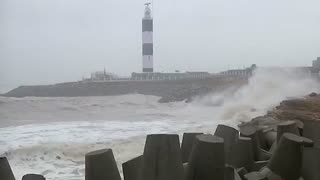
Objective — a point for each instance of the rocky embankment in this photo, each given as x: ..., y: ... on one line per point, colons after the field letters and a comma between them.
x: 282, y: 145
x: 290, y: 134
x: 301, y: 110
x: 177, y: 90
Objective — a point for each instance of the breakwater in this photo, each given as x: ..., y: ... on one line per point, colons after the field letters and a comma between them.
x: 170, y: 90
x: 274, y: 150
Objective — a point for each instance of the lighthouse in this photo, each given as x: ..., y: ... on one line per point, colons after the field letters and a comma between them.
x: 147, y: 40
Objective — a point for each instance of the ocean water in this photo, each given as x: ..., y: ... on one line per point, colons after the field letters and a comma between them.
x: 51, y: 136
x: 55, y: 146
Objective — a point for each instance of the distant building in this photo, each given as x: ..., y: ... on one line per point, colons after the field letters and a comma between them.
x: 169, y: 76
x: 316, y: 63
x: 304, y: 70
x: 240, y: 72
x: 102, y: 76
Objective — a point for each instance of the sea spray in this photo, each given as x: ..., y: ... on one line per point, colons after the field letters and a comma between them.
x: 265, y: 90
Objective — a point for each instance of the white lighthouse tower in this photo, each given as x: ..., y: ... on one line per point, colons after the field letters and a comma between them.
x: 147, y: 40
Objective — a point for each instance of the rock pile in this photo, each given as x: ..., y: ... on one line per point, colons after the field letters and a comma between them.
x: 303, y: 109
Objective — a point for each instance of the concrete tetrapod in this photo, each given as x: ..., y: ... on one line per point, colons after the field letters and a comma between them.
x: 287, y: 158
x: 229, y: 173
x: 242, y: 171
x: 307, y: 143
x: 268, y: 173
x: 252, y: 132
x: 311, y: 131
x: 5, y: 169
x: 230, y: 137
x: 132, y: 169
x: 300, y: 126
x: 33, y: 177
x: 287, y: 127
x: 162, y: 158
x: 236, y: 175
x: 255, y: 176
x: 311, y: 163
x: 270, y: 136
x: 185, y: 169
x: 242, y: 154
x: 207, y: 159
x: 101, y: 165
x: 262, y: 140
x: 187, y: 144
x: 258, y: 165
x: 264, y: 155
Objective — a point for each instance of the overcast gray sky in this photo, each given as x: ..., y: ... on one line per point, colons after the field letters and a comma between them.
x: 48, y: 41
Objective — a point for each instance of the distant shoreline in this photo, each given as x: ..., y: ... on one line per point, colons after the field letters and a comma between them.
x: 169, y: 91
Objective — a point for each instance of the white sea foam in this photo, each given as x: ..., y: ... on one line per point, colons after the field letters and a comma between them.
x: 57, y: 149
x: 51, y: 136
